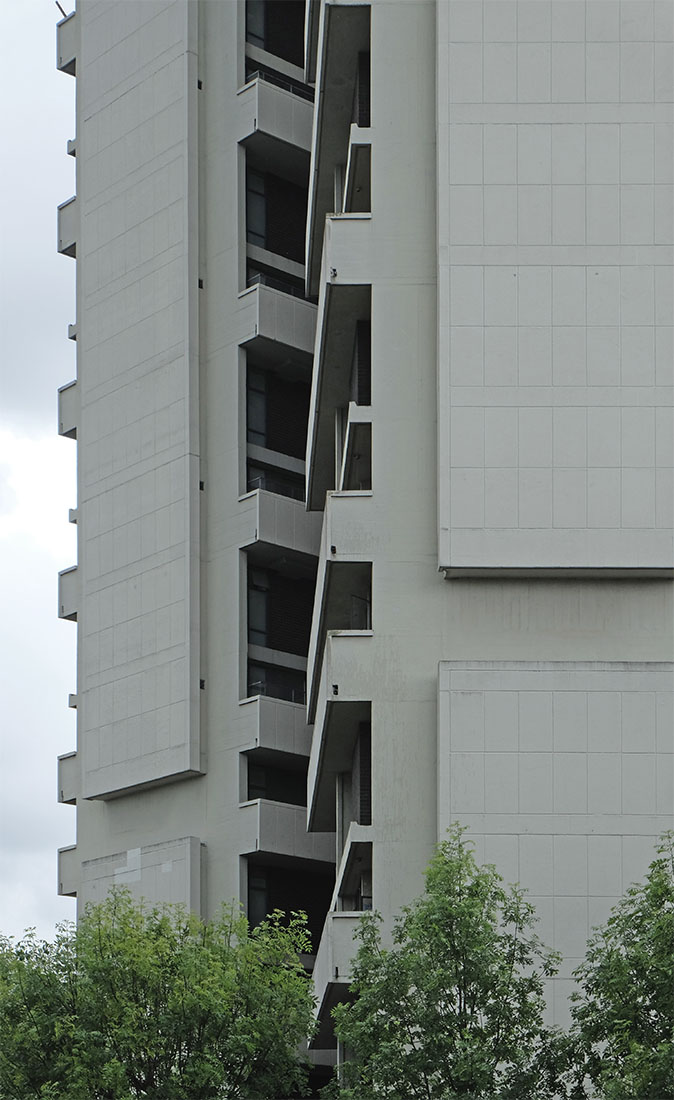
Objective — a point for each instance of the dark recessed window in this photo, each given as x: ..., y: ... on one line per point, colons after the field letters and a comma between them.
x: 274, y: 480
x: 278, y: 784
x: 277, y: 26
x: 277, y: 682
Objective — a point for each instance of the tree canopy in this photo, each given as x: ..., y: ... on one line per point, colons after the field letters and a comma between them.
x: 142, y: 1003
x: 624, y: 1009
x: 152, y: 1003
x: 454, y: 1008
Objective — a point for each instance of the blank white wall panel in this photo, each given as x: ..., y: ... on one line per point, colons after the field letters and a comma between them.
x: 555, y: 293
x: 564, y: 775
x: 138, y: 377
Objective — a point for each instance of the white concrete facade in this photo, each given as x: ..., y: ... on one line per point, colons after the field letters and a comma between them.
x: 179, y: 772
x: 517, y: 674
x: 483, y: 357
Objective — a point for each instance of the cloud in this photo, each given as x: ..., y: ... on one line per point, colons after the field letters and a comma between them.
x: 7, y: 495
x: 37, y: 297
x: 37, y: 671
x: 36, y: 475
x: 37, y: 469
x: 34, y: 903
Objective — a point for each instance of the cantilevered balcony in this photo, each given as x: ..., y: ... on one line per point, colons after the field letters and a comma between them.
x: 357, y: 196
x: 274, y: 725
x: 69, y: 409
x: 176, y: 862
x: 355, y: 468
x: 332, y: 970
x: 275, y: 122
x: 271, y: 319
x: 347, y: 250
x: 351, y: 898
x: 269, y: 522
x: 342, y: 99
x: 348, y: 543
x: 69, y: 593
x: 342, y: 703
x: 67, y: 227
x: 67, y: 41
x: 343, y: 316
x: 348, y: 533
x: 280, y: 829
x: 331, y: 755
x: 69, y: 782
x: 353, y: 888
x: 68, y: 871
x: 342, y: 604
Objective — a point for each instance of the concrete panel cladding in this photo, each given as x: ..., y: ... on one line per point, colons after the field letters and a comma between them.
x: 138, y: 446
x: 564, y: 774
x: 166, y: 872
x: 555, y: 287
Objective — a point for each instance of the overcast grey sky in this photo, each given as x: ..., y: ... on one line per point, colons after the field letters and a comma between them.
x: 37, y: 468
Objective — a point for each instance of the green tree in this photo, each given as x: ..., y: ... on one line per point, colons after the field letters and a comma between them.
x: 140, y: 1002
x: 36, y: 998
x: 624, y: 1011
x: 455, y: 1007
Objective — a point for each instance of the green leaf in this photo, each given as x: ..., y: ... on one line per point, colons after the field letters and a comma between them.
x: 141, y: 1002
x: 623, y: 1015
x: 455, y: 1007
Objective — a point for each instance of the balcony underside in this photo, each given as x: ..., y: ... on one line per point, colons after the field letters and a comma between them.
x: 273, y: 525
x: 68, y: 871
x: 276, y: 127
x: 68, y: 409
x: 331, y: 975
x: 69, y: 781
x: 277, y: 831
x: 346, y: 33
x: 271, y: 321
x: 67, y: 37
x: 332, y: 753
x: 340, y: 308
x: 274, y: 726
